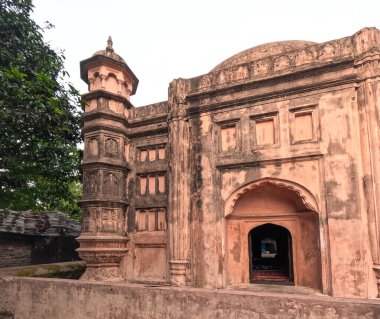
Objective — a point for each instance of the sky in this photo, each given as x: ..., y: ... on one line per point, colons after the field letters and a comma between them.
x: 162, y: 40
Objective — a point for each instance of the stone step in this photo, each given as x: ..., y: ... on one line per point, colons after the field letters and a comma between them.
x: 269, y: 275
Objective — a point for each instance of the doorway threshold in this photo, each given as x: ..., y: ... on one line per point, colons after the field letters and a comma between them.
x: 269, y: 282
x: 282, y: 288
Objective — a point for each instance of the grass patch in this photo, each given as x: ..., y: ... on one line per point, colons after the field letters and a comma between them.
x: 26, y: 272
x: 75, y: 266
x: 64, y: 271
x: 52, y: 268
x: 69, y: 274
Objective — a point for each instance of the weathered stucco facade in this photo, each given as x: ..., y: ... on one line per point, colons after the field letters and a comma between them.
x: 269, y: 162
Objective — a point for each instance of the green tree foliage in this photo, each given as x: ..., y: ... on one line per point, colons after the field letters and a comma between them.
x: 39, y: 118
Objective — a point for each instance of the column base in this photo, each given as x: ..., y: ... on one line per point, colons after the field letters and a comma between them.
x: 376, y: 269
x: 102, y: 255
x: 178, y: 270
x: 109, y: 273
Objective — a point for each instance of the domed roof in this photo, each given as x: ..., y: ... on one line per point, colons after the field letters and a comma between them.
x: 262, y: 51
x: 109, y: 52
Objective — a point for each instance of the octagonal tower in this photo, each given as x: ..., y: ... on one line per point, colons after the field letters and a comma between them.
x: 103, y: 241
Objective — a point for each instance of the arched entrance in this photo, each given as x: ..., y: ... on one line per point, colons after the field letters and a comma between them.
x: 270, y: 254
x: 273, y: 225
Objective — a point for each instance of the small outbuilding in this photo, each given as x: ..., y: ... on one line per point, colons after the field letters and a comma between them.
x: 29, y: 238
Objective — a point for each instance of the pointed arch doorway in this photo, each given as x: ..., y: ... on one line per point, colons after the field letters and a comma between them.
x: 273, y: 225
x: 270, y: 254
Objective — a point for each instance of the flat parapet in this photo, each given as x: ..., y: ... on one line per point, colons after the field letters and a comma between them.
x: 55, y: 298
x: 149, y: 111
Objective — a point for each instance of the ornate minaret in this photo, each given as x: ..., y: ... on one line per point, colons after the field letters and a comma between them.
x: 105, y: 165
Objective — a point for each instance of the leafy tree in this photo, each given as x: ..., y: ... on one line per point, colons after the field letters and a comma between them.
x: 39, y: 118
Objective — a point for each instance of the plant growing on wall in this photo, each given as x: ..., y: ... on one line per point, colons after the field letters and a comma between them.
x: 39, y: 118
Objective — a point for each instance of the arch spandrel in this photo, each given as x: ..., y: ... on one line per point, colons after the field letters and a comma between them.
x: 303, y: 194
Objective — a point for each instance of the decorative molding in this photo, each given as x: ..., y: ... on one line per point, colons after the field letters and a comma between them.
x: 253, y: 163
x: 104, y: 113
x: 206, y: 102
x: 287, y: 62
x: 307, y: 198
x: 133, y: 123
x: 102, y: 128
x: 145, y: 132
x: 106, y: 94
x: 120, y: 166
x: 150, y: 110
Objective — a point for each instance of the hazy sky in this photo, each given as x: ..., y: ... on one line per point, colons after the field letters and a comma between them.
x: 166, y: 39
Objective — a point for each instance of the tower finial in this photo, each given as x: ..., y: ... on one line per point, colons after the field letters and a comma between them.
x: 109, y: 47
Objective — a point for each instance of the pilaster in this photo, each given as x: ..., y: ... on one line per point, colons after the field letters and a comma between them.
x: 179, y: 185
x: 368, y: 97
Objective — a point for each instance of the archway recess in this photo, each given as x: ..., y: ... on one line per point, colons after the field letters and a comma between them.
x: 304, y: 195
x: 283, y: 204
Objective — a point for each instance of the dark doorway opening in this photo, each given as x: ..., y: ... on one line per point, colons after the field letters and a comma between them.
x: 270, y: 252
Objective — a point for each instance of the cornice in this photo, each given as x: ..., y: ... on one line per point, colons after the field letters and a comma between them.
x: 254, y: 98
x: 102, y: 93
x: 275, y: 79
x: 310, y: 57
x: 97, y: 127
x: 103, y: 164
x: 104, y: 114
x: 127, y: 132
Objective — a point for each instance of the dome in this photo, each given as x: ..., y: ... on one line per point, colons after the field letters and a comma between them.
x: 109, y: 52
x: 262, y: 51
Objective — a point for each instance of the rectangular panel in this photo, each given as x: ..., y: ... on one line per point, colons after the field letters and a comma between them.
x: 152, y: 220
x: 152, y: 185
x: 141, y: 220
x: 93, y: 147
x: 152, y: 154
x: 143, y: 180
x: 143, y: 156
x: 161, y: 184
x: 303, y: 127
x: 126, y: 152
x: 151, y: 263
x: 161, y: 219
x: 228, y: 138
x: 161, y: 153
x: 265, y: 132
